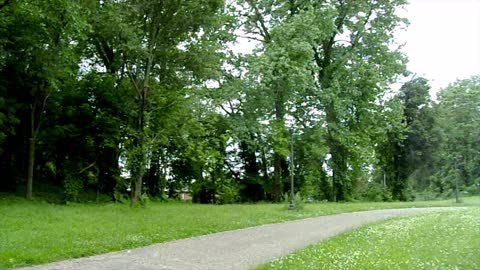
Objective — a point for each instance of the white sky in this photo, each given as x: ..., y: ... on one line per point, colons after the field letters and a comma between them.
x: 443, y: 40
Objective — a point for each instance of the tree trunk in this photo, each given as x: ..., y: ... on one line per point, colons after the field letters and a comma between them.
x: 338, y: 152
x: 34, y: 129
x: 31, y: 154
x: 140, y: 154
x: 214, y: 190
x: 154, y: 175
x: 31, y: 164
x: 137, y: 189
x: 277, y: 158
x: 277, y: 175
x: 339, y: 171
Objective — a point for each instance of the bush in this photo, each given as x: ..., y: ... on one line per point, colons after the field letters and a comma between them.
x: 120, y: 193
x: 298, y: 201
x: 377, y: 193
x: 144, y: 200
x: 120, y: 197
x: 427, y: 195
x: 72, y: 187
x: 227, y: 194
x: 89, y: 196
x: 473, y: 189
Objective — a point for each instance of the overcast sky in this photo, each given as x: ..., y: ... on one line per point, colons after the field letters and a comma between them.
x: 443, y: 40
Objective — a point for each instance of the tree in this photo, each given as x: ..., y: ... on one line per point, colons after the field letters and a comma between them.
x: 165, y: 27
x: 351, y: 74
x: 40, y: 58
x: 257, y: 22
x: 334, y: 59
x: 151, y: 87
x: 388, y: 150
x: 458, y: 116
x: 420, y: 142
x: 406, y: 153
x: 160, y: 51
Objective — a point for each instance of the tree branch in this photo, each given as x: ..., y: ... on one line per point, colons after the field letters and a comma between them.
x: 225, y: 110
x: 252, y: 38
x: 328, y: 44
x: 36, y: 129
x: 358, y: 36
x: 86, y: 168
x: 260, y: 20
x: 134, y: 81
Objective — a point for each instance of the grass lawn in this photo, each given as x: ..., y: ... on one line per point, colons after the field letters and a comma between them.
x: 443, y: 240
x: 39, y: 232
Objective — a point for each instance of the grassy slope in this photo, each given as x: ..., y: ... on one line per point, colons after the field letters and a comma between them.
x: 36, y: 232
x: 444, y: 240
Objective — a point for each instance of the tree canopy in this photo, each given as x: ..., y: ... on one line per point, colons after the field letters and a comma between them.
x: 125, y: 100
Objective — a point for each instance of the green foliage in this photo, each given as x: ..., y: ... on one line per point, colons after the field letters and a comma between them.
x: 144, y: 200
x: 72, y: 187
x: 302, y: 67
x: 442, y: 240
x: 406, y: 152
x: 154, y: 89
x: 377, y: 193
x: 298, y: 201
x: 120, y: 197
x: 458, y: 120
x: 474, y: 189
x: 227, y: 193
x: 8, y: 120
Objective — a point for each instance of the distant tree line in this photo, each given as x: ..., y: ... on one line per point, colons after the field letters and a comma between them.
x: 118, y: 100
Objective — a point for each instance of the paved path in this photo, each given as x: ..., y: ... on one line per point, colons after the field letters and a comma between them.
x: 239, y: 249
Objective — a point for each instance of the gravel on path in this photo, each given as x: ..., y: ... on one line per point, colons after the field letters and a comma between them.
x: 239, y: 249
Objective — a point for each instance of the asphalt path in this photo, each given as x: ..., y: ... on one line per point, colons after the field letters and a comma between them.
x: 239, y: 249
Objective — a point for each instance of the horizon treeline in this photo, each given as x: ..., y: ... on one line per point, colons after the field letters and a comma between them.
x: 136, y: 99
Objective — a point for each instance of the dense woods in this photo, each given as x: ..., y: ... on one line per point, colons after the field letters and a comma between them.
x: 136, y: 99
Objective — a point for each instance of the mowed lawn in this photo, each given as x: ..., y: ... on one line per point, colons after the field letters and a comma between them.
x: 441, y: 240
x: 37, y: 232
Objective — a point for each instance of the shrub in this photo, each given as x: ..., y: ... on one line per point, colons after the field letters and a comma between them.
x: 473, y: 189
x: 144, y: 200
x: 72, y: 187
x: 227, y: 194
x: 298, y: 201
x: 377, y: 193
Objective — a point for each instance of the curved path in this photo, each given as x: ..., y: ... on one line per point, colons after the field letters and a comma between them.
x: 239, y: 249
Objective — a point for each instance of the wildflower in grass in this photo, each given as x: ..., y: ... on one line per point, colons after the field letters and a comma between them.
x: 443, y: 240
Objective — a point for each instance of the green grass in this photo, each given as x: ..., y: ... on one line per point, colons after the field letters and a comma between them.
x: 39, y: 232
x: 441, y: 240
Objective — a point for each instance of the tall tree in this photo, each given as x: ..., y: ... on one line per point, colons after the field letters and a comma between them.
x: 352, y: 73
x: 279, y: 69
x: 40, y: 57
x: 406, y: 152
x: 389, y: 148
x: 341, y: 51
x: 169, y: 40
x: 458, y: 118
x: 419, y: 144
